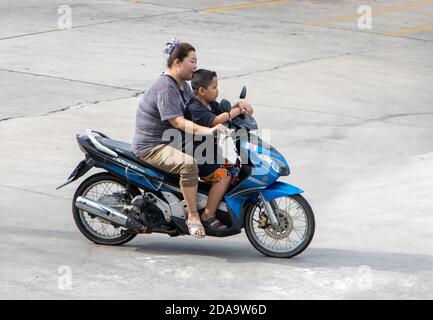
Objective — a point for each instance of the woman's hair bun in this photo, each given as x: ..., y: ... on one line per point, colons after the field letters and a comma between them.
x: 169, y: 46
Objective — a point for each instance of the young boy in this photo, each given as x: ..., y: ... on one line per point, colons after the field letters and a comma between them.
x: 205, y: 111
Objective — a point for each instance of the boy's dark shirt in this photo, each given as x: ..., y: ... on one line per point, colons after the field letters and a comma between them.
x: 198, y: 113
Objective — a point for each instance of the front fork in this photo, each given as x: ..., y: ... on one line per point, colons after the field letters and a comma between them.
x: 269, y: 208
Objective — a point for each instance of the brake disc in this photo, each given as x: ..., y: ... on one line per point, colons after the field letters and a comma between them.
x: 285, y: 225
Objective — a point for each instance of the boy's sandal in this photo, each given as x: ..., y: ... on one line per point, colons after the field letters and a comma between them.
x: 214, y: 224
x: 193, y: 227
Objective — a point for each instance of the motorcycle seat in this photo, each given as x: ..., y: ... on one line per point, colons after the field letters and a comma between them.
x: 125, y: 150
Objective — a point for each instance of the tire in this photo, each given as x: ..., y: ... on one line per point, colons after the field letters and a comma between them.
x: 79, y: 215
x: 303, y: 243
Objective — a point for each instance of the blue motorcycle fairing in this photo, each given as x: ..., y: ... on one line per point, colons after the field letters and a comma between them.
x: 236, y: 204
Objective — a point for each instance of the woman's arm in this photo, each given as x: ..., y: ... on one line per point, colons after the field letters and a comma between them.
x: 190, y: 127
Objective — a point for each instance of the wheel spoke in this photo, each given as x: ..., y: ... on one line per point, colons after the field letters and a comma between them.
x: 298, y: 233
x: 297, y: 214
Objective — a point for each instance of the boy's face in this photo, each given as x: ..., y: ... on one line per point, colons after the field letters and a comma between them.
x: 211, y: 92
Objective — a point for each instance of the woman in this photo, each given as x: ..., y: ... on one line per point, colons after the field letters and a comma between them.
x: 162, y: 108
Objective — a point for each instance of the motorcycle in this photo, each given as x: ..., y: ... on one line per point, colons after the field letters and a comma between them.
x: 130, y: 197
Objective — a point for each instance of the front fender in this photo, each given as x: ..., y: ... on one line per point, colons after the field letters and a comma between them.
x: 279, y: 189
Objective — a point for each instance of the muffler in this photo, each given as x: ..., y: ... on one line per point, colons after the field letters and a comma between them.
x: 109, y: 214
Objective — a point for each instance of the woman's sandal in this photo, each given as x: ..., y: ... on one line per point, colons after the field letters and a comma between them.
x: 193, y: 227
x: 214, y: 224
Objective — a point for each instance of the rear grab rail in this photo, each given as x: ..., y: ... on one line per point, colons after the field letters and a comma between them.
x: 98, y: 145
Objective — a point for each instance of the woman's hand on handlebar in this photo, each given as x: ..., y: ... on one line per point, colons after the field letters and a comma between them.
x: 220, y: 128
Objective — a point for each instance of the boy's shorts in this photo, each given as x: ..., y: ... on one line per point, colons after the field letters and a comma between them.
x: 215, y: 172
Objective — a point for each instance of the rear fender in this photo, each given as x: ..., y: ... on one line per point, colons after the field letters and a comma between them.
x: 81, y: 169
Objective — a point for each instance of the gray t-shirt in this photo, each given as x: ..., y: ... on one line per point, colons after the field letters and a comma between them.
x: 161, y: 102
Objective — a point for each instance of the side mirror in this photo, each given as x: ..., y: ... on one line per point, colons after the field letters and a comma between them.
x: 243, y: 93
x: 225, y: 105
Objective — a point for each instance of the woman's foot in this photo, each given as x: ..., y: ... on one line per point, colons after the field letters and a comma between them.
x: 194, y: 225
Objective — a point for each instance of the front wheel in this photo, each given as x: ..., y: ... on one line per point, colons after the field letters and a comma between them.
x: 294, y: 232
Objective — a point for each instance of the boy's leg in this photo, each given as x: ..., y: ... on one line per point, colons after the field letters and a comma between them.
x: 219, y: 177
x: 216, y: 193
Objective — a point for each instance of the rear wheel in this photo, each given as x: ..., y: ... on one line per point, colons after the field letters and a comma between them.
x: 112, y: 192
x: 293, y: 233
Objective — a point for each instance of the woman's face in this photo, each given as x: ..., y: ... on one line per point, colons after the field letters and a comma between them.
x: 187, y: 67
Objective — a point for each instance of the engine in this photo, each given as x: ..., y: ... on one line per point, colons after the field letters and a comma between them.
x: 149, y: 213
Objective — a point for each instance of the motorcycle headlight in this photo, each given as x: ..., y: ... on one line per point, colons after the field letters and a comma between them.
x: 277, y: 165
x: 282, y: 167
x: 270, y: 162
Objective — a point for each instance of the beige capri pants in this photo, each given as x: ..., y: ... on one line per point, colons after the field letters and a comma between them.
x: 171, y: 160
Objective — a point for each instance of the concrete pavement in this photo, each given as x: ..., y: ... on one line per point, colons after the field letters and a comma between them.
x: 351, y: 109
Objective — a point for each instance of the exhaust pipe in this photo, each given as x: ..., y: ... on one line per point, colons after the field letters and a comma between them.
x: 109, y: 214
